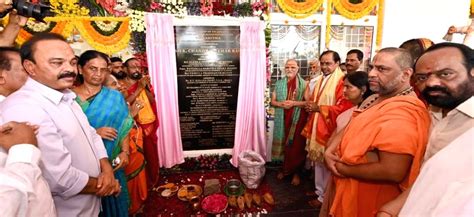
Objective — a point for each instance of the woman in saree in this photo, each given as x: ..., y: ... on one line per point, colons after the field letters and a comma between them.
x: 108, y: 113
x: 135, y: 170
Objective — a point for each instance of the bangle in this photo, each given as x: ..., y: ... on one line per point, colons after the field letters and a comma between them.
x: 126, y: 152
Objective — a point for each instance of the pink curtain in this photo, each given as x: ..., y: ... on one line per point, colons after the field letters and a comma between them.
x: 250, y: 123
x: 160, y: 50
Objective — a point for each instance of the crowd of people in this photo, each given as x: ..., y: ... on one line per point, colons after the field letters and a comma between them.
x: 96, y: 134
x: 77, y: 133
x: 377, y: 147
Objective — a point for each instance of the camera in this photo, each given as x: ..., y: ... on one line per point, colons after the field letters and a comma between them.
x: 28, y: 9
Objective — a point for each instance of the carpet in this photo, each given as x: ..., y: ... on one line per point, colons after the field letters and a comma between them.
x: 156, y: 205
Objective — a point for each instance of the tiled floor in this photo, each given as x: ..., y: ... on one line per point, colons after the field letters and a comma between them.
x: 290, y: 201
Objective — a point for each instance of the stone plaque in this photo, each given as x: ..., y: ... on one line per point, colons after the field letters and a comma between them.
x: 208, y: 81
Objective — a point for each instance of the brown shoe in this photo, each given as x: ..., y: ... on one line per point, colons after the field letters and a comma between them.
x: 315, y: 203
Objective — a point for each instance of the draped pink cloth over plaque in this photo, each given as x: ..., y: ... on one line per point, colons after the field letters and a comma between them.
x: 160, y: 50
x: 250, y: 124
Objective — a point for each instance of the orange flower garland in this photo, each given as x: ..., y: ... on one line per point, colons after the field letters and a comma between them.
x: 300, y: 9
x: 354, y: 11
x: 107, y: 44
x: 63, y: 28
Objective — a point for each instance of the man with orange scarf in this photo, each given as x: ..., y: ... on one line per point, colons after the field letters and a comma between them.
x: 382, y: 147
x: 139, y: 88
x: 325, y: 104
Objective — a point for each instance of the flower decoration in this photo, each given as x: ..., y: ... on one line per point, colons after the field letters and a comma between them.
x: 33, y: 26
x: 106, y: 27
x: 242, y: 10
x: 259, y: 8
x: 138, y: 41
x: 221, y: 9
x: 142, y: 59
x: 120, y: 8
x: 108, y: 35
x: 137, y: 18
x: 68, y: 8
x: 194, y: 8
x: 156, y: 7
x: 108, y: 5
x: 178, y: 9
x: 206, y: 8
x: 141, y: 5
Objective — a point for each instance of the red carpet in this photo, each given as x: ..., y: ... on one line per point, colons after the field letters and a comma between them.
x: 160, y: 206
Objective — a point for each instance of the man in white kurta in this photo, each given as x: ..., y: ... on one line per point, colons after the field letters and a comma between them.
x: 75, y: 163
x: 23, y: 190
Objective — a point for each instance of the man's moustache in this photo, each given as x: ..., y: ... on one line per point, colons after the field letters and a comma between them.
x: 436, y: 88
x: 67, y: 74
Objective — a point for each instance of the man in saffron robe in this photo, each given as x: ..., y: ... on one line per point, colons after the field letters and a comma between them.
x: 325, y: 104
x: 139, y: 88
x: 394, y: 124
x: 445, y: 74
x: 287, y: 98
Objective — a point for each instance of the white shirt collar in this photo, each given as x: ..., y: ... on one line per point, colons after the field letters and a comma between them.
x: 467, y: 107
x: 49, y: 93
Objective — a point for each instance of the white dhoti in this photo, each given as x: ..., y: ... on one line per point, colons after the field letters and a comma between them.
x: 321, y: 177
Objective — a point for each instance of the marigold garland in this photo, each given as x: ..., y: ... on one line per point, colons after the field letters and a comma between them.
x: 328, y: 24
x: 107, y: 44
x: 380, y: 16
x: 63, y: 28
x: 301, y: 9
x: 354, y: 11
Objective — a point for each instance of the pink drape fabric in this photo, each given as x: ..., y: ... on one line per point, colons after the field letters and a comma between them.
x: 250, y: 124
x: 160, y: 50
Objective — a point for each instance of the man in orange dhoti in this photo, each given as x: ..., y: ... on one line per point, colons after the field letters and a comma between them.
x: 394, y: 125
x: 139, y: 88
x: 325, y: 104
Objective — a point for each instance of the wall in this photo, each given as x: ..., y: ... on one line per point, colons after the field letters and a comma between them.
x: 407, y: 19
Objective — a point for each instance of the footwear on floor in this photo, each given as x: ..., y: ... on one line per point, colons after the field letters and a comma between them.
x: 315, y: 203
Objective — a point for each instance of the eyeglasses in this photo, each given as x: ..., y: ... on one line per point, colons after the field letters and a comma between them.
x: 94, y: 70
x: 442, y: 75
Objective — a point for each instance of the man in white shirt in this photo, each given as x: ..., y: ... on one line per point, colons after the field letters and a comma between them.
x: 445, y: 75
x: 21, y: 177
x: 23, y: 191
x: 74, y: 159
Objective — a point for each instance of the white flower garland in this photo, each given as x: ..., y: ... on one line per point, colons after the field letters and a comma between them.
x: 106, y: 26
x: 38, y: 26
x: 137, y: 20
x: 178, y: 9
x: 121, y: 6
